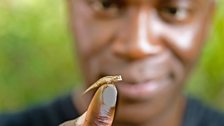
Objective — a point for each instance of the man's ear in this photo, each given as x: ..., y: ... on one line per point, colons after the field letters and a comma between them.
x: 209, y: 18
x: 70, y: 10
x: 212, y: 7
x: 212, y: 11
x: 69, y: 5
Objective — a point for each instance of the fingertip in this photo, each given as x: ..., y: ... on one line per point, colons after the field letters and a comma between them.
x: 109, y: 95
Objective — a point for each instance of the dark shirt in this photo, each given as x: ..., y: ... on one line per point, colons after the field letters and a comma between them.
x: 62, y: 110
x: 51, y: 114
x: 197, y: 114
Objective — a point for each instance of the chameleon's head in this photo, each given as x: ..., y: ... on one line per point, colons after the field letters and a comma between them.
x: 117, y: 78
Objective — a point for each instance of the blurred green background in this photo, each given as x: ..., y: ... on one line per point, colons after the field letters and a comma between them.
x: 37, y: 61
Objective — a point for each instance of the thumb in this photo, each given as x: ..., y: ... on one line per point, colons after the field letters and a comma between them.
x: 102, y: 107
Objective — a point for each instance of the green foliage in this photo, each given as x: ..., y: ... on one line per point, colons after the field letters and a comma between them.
x: 37, y: 60
x: 207, y: 81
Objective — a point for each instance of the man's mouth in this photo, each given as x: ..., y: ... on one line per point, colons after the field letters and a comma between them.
x: 142, y: 86
x: 142, y: 79
x: 142, y: 91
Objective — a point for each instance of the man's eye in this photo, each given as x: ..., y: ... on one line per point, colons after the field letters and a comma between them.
x: 107, y: 7
x: 175, y: 14
x: 106, y: 4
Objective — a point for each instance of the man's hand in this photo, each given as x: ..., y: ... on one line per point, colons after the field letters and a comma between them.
x: 101, y: 109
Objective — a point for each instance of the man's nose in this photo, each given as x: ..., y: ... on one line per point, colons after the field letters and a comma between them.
x: 136, y: 39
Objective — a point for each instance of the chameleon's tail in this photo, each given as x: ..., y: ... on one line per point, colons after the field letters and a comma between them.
x: 90, y: 88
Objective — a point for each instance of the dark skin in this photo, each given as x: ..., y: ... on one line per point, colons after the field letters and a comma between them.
x: 153, y: 44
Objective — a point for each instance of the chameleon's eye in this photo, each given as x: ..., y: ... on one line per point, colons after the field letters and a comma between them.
x: 119, y: 77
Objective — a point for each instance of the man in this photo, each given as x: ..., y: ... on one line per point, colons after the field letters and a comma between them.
x: 154, y: 45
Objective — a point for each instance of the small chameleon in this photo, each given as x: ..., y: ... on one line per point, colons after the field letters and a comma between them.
x: 103, y: 81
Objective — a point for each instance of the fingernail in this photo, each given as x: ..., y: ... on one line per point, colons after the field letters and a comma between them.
x: 110, y: 95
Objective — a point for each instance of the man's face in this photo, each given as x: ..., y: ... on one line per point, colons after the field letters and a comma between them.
x: 153, y: 44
